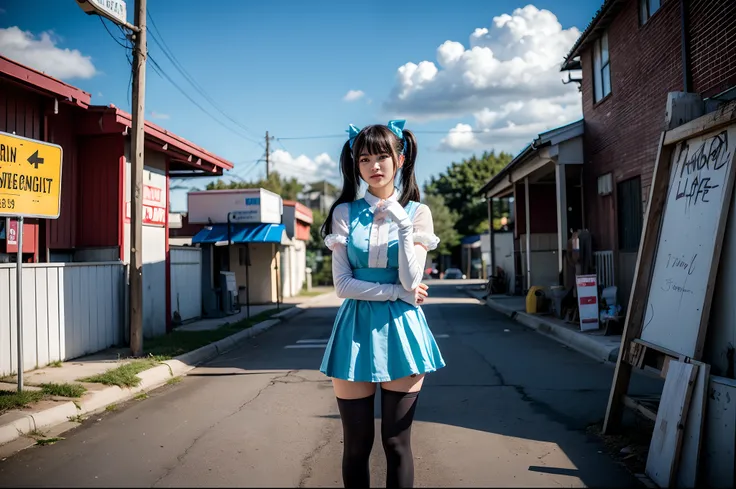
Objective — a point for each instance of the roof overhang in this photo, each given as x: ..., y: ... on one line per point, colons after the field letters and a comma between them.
x: 43, y: 83
x: 600, y: 23
x: 301, y: 211
x: 541, y: 152
x: 112, y: 120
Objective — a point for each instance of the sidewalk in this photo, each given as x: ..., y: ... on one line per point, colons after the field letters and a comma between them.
x: 56, y: 398
x: 592, y: 343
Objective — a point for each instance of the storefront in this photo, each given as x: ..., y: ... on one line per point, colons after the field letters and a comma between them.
x: 297, y: 219
x: 242, y: 237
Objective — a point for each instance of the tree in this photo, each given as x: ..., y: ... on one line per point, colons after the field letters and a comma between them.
x: 287, y: 188
x: 444, y: 224
x: 459, y: 186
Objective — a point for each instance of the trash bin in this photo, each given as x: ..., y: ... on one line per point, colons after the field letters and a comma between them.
x: 558, y: 293
x: 535, y: 299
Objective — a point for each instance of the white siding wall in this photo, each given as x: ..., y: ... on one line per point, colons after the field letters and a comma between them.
x: 154, y: 248
x: 69, y: 310
x: 186, y: 282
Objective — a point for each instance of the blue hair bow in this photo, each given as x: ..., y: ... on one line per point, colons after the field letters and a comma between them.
x: 396, y: 127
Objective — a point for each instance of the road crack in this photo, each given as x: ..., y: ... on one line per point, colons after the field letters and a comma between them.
x: 180, y: 458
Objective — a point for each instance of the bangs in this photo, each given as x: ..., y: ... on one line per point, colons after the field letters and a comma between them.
x: 375, y: 140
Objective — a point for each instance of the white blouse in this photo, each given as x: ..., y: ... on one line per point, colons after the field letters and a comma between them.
x: 411, y: 258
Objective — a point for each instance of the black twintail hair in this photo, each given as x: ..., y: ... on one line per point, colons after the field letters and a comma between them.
x: 376, y: 139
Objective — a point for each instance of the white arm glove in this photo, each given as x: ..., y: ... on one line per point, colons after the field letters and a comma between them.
x: 346, y: 286
x: 415, y: 239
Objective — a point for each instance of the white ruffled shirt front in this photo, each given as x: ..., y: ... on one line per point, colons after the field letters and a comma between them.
x: 424, y: 239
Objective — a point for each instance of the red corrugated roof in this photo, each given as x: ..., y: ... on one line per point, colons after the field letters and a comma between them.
x: 44, y: 82
x: 171, y: 138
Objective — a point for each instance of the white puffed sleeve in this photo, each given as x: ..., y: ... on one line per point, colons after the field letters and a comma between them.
x: 414, y: 243
x: 424, y: 228
x: 346, y: 286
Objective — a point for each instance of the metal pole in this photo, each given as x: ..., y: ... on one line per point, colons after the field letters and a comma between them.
x: 136, y: 180
x: 19, y: 302
x: 278, y: 286
x: 229, y: 242
x: 247, y: 281
x: 528, y: 234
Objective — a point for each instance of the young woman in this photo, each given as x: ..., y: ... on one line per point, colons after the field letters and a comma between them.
x: 380, y: 336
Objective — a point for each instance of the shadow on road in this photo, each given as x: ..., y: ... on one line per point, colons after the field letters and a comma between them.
x: 501, y: 378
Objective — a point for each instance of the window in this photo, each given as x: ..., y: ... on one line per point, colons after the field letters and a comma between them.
x: 629, y: 214
x: 601, y: 67
x: 647, y: 9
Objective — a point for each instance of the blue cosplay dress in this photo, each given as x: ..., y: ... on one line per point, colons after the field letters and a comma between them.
x: 384, y: 340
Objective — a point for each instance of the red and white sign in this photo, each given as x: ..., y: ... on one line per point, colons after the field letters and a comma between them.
x: 587, y: 289
x: 11, y: 232
x: 154, y: 207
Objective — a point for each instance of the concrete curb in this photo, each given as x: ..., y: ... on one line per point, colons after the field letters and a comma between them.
x: 575, y: 340
x: 151, y: 379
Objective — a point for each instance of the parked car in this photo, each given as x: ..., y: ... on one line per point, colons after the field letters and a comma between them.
x: 454, y: 274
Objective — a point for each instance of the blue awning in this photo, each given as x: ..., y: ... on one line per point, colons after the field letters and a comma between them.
x: 241, y: 233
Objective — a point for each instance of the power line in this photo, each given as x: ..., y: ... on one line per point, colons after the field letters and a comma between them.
x: 161, y: 42
x: 162, y: 73
x: 449, y: 131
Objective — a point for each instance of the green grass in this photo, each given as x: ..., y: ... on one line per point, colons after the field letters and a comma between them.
x: 141, y: 396
x: 125, y: 375
x: 48, y: 441
x: 112, y: 407
x: 55, y: 364
x: 173, y: 380
x: 64, y: 390
x: 176, y: 343
x: 313, y: 292
x: 16, y: 400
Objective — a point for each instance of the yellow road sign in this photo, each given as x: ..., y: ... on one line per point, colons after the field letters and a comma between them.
x: 30, y: 177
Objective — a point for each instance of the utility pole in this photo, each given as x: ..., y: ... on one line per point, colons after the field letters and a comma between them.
x: 268, y: 154
x: 117, y: 12
x: 136, y: 180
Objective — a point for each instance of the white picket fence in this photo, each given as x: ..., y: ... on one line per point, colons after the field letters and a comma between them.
x: 69, y: 310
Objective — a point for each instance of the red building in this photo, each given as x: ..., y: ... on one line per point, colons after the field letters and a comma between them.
x: 93, y: 225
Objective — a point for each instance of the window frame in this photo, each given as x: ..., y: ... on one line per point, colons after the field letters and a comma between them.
x: 633, y: 211
x: 645, y: 10
x: 601, y: 68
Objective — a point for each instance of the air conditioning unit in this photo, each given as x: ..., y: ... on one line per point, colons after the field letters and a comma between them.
x: 605, y: 184
x: 228, y: 293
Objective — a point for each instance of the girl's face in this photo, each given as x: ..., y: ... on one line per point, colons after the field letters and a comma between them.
x: 378, y: 170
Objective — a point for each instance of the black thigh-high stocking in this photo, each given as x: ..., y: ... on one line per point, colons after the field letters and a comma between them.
x: 397, y: 416
x: 358, y: 429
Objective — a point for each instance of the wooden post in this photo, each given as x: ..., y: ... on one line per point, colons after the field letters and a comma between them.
x: 136, y: 180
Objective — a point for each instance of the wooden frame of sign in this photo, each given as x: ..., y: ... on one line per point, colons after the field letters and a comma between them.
x: 694, y: 171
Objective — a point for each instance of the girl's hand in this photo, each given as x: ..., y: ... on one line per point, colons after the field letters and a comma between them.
x: 394, y: 210
x: 420, y: 293
x: 414, y: 297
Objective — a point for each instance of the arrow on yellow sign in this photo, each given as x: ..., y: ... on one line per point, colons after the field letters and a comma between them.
x: 35, y: 160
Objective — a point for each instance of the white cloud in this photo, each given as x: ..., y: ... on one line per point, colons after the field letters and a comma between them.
x: 508, y: 78
x: 303, y: 168
x: 42, y: 54
x: 353, y: 95
x: 159, y: 115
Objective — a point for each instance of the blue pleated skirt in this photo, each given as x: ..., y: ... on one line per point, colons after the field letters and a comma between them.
x: 380, y: 341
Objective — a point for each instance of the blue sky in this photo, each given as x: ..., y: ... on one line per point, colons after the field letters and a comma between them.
x: 286, y: 67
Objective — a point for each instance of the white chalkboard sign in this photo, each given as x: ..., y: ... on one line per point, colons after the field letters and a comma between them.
x: 694, y: 214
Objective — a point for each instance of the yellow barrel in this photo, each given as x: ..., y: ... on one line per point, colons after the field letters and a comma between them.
x: 534, y: 298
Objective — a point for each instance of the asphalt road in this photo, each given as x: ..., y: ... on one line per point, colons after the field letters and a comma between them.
x: 510, y: 409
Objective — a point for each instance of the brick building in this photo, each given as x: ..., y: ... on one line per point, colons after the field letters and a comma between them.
x: 596, y: 173
x: 633, y: 53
